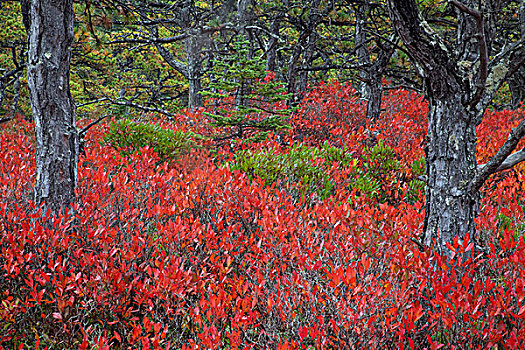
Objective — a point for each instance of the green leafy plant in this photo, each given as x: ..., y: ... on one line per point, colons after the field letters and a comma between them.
x: 307, y: 166
x: 128, y: 136
x: 416, y: 186
x: 376, y: 176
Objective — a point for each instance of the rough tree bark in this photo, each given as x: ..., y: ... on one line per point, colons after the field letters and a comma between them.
x: 308, y: 55
x: 194, y: 44
x: 363, y: 56
x: 50, y: 32
x: 457, y: 99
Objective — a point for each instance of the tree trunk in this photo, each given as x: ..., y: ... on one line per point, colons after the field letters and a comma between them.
x: 370, y: 74
x: 517, y: 88
x: 50, y: 38
x: 308, y: 55
x: 375, y: 94
x: 457, y: 100
x: 363, y: 56
x: 375, y: 78
x: 194, y: 45
x: 273, y: 43
x: 451, y: 164
x: 517, y: 80
x: 451, y: 206
x: 303, y: 47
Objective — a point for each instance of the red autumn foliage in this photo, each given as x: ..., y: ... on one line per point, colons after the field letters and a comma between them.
x: 191, y: 255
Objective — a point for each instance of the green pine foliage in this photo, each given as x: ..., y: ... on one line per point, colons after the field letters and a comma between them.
x: 244, y: 99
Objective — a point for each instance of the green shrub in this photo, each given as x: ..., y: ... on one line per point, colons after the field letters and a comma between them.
x: 366, y: 184
x: 128, y: 136
x: 373, y: 177
x: 301, y: 164
x: 381, y: 160
x: 415, y: 186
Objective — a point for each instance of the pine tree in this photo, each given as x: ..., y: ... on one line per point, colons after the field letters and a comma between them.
x: 244, y: 98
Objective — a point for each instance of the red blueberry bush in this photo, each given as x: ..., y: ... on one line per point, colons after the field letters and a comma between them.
x: 191, y: 254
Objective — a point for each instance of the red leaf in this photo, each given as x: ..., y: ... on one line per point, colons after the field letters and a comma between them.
x: 522, y: 310
x: 117, y: 336
x: 411, y: 343
x: 303, y: 333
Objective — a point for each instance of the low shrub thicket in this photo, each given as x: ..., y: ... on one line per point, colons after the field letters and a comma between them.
x: 191, y: 255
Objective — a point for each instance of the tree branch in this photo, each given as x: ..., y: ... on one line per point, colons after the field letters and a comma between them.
x: 502, y: 66
x: 168, y: 57
x: 427, y: 48
x: 156, y: 40
x: 513, y: 159
x: 483, y: 53
x: 90, y: 125
x: 143, y: 108
x: 502, y: 159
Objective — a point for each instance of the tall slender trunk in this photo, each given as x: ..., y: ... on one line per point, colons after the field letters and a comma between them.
x: 308, y: 56
x: 363, y: 55
x: 370, y: 74
x: 48, y: 69
x: 273, y: 42
x: 517, y: 88
x: 304, y: 47
x: 194, y: 44
x: 517, y: 81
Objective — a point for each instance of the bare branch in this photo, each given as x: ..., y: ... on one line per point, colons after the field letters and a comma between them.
x: 92, y: 102
x: 502, y: 66
x: 502, y: 159
x: 168, y: 57
x: 16, y: 95
x: 512, y: 160
x: 5, y: 120
x: 143, y: 108
x: 276, y: 37
x: 148, y: 40
x: 90, y: 125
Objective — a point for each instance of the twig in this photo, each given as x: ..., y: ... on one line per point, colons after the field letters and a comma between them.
x: 5, y: 120
x: 85, y: 129
x: 92, y: 102
x: 419, y: 244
